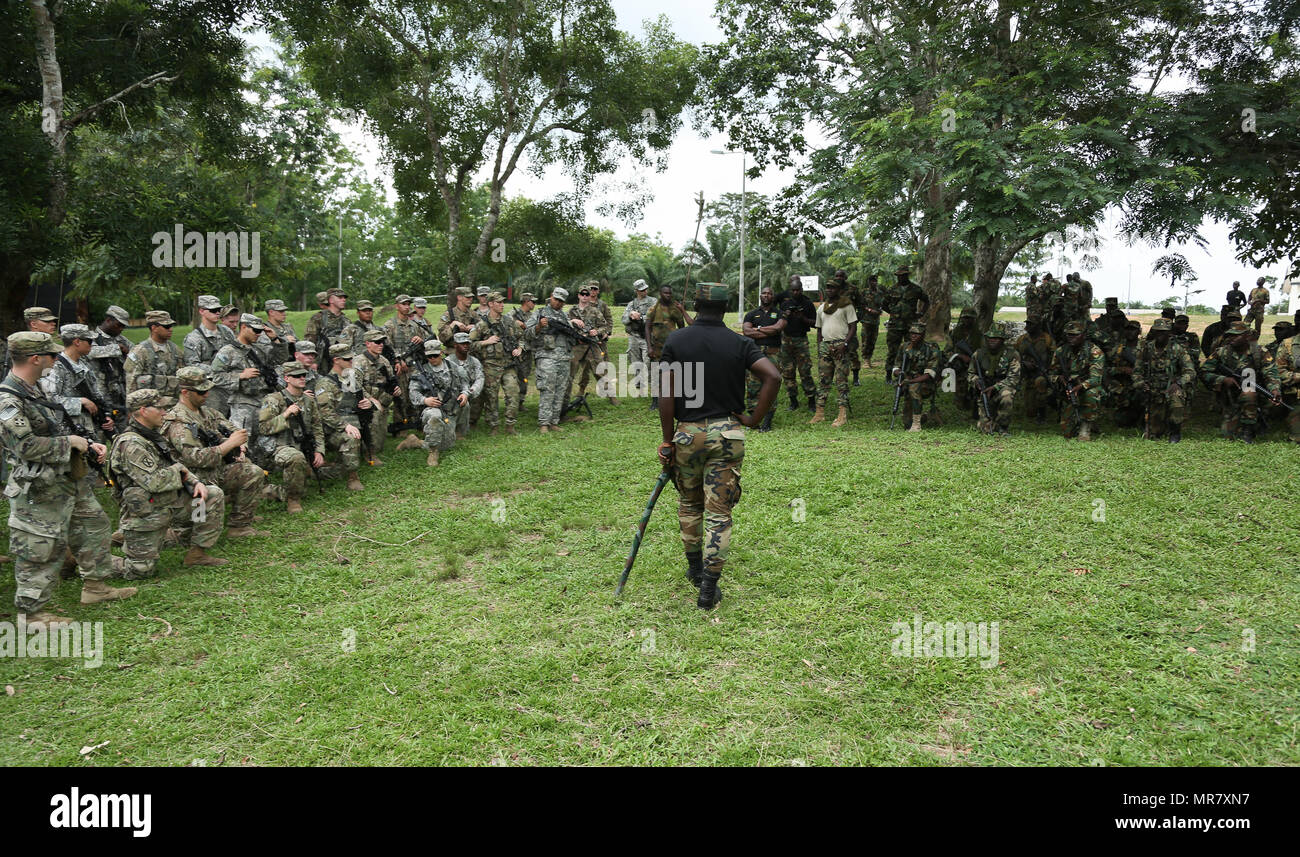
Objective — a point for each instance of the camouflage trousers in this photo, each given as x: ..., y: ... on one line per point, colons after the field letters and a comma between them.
x: 294, y: 469
x: 1240, y: 409
x: 893, y: 341
x: 348, y: 449
x: 915, y: 395
x: 795, y: 357
x: 587, y: 358
x: 145, y: 521
x: 1167, y: 410
x: 379, y: 425
x: 552, y: 385
x: 868, y: 332
x: 489, y: 401
x: 1126, y: 399
x: 1089, y: 400
x: 637, y: 352
x: 706, y: 471
x: 1001, y: 401
x: 1255, y: 314
x: 439, y: 429
x: 44, y: 523
x: 243, y: 483
x: 512, y: 393
x: 402, y: 412
x: 753, y: 384
x: 833, y: 365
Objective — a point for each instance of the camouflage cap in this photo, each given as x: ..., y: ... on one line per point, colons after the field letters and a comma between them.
x: 420, y: 302
x: 560, y: 293
x: 322, y: 297
x: 230, y: 309
x: 526, y: 297
x: 641, y: 285
x: 365, y: 305
x: 995, y: 332
x: 335, y: 293
x: 375, y: 336
x: 211, y: 302
x: 432, y: 347
x: 116, y: 312
x: 276, y: 304
x: 38, y: 313
x: 74, y: 331
x: 1234, y: 315
x: 593, y: 284
x: 137, y: 399
x: 294, y: 369
x: 460, y: 338
x: 1237, y: 328
x: 402, y: 299
x: 193, y: 378
x: 494, y: 296
x: 1160, y: 324
x: 159, y: 316
x: 1073, y: 328
x: 463, y: 291
x: 341, y: 349
x: 304, y: 346
x: 252, y: 321
x: 25, y: 343
x: 711, y: 292
x: 917, y: 328
x: 483, y: 290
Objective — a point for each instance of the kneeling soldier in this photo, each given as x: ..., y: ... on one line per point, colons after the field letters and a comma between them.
x: 337, y: 396
x: 292, y: 421
x: 440, y: 389
x: 155, y: 489
x: 1001, y: 370
x: 922, y: 371
x: 213, y: 448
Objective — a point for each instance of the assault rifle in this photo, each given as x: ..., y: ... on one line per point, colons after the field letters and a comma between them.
x: 561, y: 325
x: 104, y: 411
x: 898, y: 389
x: 984, y: 396
x: 67, y: 422
x: 1241, y: 383
x: 579, y: 403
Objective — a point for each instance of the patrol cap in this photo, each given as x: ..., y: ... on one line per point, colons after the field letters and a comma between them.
x: 463, y: 291
x: 304, y: 346
x: 402, y: 299
x: 1112, y: 301
x: 211, y: 302
x: 917, y: 328
x: 193, y: 378
x: 593, y: 284
x: 118, y: 313
x: 25, y: 343
x: 641, y: 285
x: 494, y: 296
x: 432, y: 347
x: 341, y: 349
x: 560, y: 293
x: 277, y: 305
x: 1237, y: 328
x: 294, y: 369
x: 230, y: 309
x: 366, y: 305
x: 995, y: 332
x: 526, y: 297
x: 1160, y: 324
x: 1074, y: 328
x: 375, y: 336
x: 483, y: 290
x: 711, y: 292
x: 335, y: 293
x: 322, y: 297
x: 420, y: 302
x: 38, y: 313
x: 252, y: 321
x: 159, y: 316
x: 70, y: 332
x: 137, y: 399
x: 461, y: 337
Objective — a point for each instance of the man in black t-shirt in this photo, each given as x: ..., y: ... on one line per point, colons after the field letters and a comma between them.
x: 702, y: 371
x: 764, y: 326
x: 800, y: 315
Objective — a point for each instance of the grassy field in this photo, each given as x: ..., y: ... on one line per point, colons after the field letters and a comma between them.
x: 464, y: 615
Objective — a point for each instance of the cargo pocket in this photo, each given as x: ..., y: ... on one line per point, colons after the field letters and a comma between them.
x: 31, y: 547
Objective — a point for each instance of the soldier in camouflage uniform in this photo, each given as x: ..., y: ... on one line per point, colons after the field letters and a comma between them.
x: 1287, y: 363
x: 470, y: 371
x: 420, y: 307
x: 280, y: 335
x: 211, y: 447
x: 600, y: 322
x: 1237, y: 371
x: 52, y: 508
x: 553, y: 352
x: 1000, y: 367
x: 1035, y: 347
x: 908, y: 302
x: 1165, y: 376
x: 963, y: 341
x: 156, y: 491
x: 481, y: 309
x: 304, y: 354
x: 1282, y: 331
x: 796, y: 363
x: 459, y: 319
x: 439, y: 389
x: 922, y: 360
x: 291, y: 420
x: 498, y: 348
x: 856, y: 297
x: 634, y: 316
x: 72, y: 370
x: 238, y: 369
x: 338, y: 398
x: 406, y: 335
x: 1259, y: 298
x: 1077, y: 370
x: 379, y: 383
x: 1121, y: 378
x: 204, y: 341
x: 869, y: 318
x: 326, y: 327
x: 1035, y: 301
x: 836, y: 322
x: 107, y: 354
x: 519, y: 317
x: 153, y: 363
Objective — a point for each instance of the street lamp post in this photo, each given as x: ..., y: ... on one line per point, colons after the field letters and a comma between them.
x: 740, y: 300
x: 342, y: 212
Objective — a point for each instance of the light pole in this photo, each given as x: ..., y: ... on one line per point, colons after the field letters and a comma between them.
x: 740, y: 301
x: 342, y: 212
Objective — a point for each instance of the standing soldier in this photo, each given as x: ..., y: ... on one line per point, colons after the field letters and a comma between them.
x: 153, y: 363
x: 72, y: 386
x: 1035, y: 300
x: 459, y: 319
x: 910, y: 304
x: 421, y: 306
x: 470, y: 371
x: 1035, y: 347
x: 52, y: 507
x: 482, y: 309
x: 1121, y: 376
x: 338, y: 400
x: 211, y: 447
x: 553, y: 352
x: 379, y: 384
x: 706, y: 446
x: 763, y: 325
x: 1259, y: 298
x: 156, y: 491
x: 1077, y: 369
x: 498, y: 349
x: 290, y: 419
x: 1165, y: 375
x: 1000, y: 368
x: 836, y: 321
x: 664, y: 317
x: 634, y: 316
x: 869, y: 317
x: 923, y: 370
x: 439, y: 389
x: 355, y: 333
x: 279, y: 331
x: 1236, y: 298
x: 856, y: 297
x: 600, y: 322
x: 326, y: 327
x: 406, y: 335
x: 519, y: 317
x: 242, y: 372
x: 204, y: 341
x: 107, y: 354
x: 800, y: 315
x: 1237, y: 371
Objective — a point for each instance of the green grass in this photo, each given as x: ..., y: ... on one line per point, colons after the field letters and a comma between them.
x: 485, y: 643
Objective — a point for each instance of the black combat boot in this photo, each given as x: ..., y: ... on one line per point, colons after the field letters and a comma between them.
x: 856, y: 382
x: 794, y: 401
x: 710, y: 594
x: 812, y: 402
x: 694, y: 567
x: 1175, y: 432
x: 766, y: 425
x: 1248, y: 434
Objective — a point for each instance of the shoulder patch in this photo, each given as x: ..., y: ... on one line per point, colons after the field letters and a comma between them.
x: 8, y: 412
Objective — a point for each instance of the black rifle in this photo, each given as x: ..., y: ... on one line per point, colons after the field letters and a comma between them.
x: 561, y: 325
x: 898, y: 389
x: 268, y: 374
x: 579, y: 403
x: 103, y: 411
x: 214, y: 438
x: 984, y: 396
x: 307, y: 445
x: 1241, y: 384
x: 66, y: 421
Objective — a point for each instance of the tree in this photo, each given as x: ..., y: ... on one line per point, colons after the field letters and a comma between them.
x: 1176, y: 267
x: 458, y: 88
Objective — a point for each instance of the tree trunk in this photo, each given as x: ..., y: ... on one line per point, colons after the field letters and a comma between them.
x: 936, y: 278
x: 992, y: 256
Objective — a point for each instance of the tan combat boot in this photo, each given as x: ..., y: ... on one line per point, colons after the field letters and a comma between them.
x: 556, y: 428
x: 95, y: 591
x: 544, y: 429
x: 118, y: 538
x: 354, y: 484
x: 198, y: 556
x: 820, y: 416
x: 432, y: 460
x: 492, y: 432
x: 511, y: 430
x: 842, y: 418
x: 1085, y: 431
x: 293, y: 506
x: 242, y: 532
x: 40, y: 620
x: 410, y: 442
x: 916, y: 423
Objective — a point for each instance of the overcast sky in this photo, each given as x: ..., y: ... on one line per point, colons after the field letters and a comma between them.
x: 1125, y: 271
